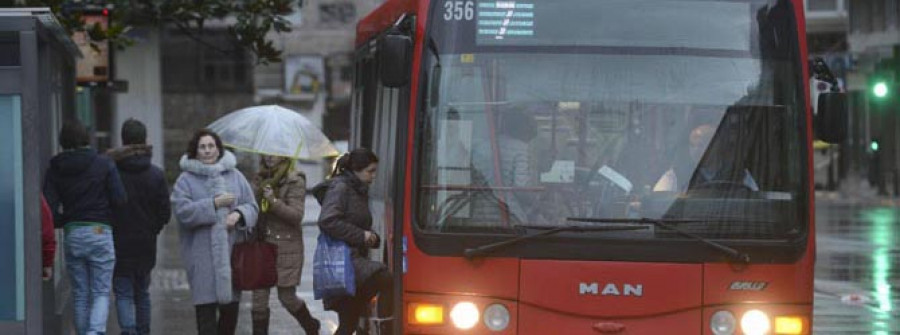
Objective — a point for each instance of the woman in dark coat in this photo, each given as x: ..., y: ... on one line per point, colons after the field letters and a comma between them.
x: 282, y: 193
x: 345, y: 216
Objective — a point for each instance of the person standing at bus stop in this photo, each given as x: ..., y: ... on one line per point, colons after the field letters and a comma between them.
x: 211, y: 200
x: 136, y: 226
x: 48, y: 240
x: 281, y: 192
x: 345, y: 216
x: 82, y: 187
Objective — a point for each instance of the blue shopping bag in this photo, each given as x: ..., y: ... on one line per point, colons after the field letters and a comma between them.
x: 332, y: 269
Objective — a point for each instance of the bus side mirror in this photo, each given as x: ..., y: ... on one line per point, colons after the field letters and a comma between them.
x: 831, y: 117
x: 394, y: 51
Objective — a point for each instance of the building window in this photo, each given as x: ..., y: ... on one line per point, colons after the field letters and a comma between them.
x: 821, y: 5
x: 337, y: 13
x: 878, y: 15
x: 819, y: 43
x: 216, y: 65
x: 860, y: 17
x: 12, y: 260
x: 9, y: 48
x: 890, y: 12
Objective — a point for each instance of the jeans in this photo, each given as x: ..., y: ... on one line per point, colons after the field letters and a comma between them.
x: 132, y: 292
x: 90, y: 258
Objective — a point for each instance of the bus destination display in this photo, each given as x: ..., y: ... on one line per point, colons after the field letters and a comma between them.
x: 504, y: 22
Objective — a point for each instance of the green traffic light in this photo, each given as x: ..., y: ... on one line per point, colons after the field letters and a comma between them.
x: 873, y: 145
x: 880, y: 89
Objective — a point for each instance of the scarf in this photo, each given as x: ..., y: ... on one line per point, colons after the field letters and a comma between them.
x: 221, y: 249
x: 274, y: 178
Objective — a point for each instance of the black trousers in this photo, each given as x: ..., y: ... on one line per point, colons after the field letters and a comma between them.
x: 216, y: 319
x: 382, y: 284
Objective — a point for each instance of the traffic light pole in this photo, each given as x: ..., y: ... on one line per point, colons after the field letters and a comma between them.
x: 868, y: 123
x: 896, y: 145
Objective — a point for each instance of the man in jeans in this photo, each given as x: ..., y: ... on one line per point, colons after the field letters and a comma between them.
x: 81, y: 188
x: 136, y: 226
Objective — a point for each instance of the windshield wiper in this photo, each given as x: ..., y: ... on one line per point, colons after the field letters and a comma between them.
x: 550, y: 230
x: 668, y: 225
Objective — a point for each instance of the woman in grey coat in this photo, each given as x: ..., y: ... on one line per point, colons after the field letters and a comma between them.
x: 345, y: 216
x: 211, y: 200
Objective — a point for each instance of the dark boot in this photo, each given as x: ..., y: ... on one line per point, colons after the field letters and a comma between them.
x: 260, y: 322
x: 348, y: 318
x: 228, y: 316
x: 307, y: 321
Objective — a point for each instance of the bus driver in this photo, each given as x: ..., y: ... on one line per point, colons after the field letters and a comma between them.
x: 678, y: 177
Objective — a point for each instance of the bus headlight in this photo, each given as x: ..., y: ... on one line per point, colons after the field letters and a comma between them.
x: 723, y: 323
x: 496, y: 317
x: 755, y: 322
x: 464, y: 315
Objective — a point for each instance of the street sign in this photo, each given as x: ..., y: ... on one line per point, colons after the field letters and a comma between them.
x: 94, y: 66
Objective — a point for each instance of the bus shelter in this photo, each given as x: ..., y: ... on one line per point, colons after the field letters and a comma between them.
x: 37, y: 92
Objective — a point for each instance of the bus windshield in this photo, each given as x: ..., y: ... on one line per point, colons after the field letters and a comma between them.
x: 538, y: 112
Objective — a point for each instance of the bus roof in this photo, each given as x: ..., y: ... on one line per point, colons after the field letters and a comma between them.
x: 383, y: 17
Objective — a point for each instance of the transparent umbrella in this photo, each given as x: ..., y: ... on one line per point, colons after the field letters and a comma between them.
x: 273, y: 130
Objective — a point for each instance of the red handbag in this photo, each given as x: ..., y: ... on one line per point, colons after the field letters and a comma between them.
x: 253, y: 264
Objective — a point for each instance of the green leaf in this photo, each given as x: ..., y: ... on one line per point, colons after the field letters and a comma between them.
x: 254, y: 20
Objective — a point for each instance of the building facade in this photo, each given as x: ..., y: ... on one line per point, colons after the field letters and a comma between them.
x: 316, y: 75
x: 874, y: 46
x: 200, y: 83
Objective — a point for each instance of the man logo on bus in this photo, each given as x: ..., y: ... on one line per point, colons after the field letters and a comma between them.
x: 611, y: 289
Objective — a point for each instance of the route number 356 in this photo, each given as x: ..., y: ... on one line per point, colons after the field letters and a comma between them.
x: 459, y: 10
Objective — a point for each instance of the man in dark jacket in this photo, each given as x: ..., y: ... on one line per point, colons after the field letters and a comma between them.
x: 81, y: 188
x: 136, y: 226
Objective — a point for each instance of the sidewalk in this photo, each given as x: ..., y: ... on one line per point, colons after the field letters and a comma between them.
x: 311, y: 214
x: 172, y: 309
x: 855, y: 190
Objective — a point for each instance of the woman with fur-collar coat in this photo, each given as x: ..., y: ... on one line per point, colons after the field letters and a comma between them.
x: 212, y: 200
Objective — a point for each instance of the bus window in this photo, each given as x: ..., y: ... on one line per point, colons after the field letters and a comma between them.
x: 547, y: 134
x: 368, y: 78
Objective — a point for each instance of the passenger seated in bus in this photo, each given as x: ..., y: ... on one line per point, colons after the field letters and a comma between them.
x: 678, y: 177
x: 515, y: 131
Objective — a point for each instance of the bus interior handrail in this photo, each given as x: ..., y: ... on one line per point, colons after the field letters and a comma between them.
x: 452, y: 187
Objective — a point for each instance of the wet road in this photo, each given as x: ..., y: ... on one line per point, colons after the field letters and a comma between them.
x: 857, y: 288
x: 857, y: 276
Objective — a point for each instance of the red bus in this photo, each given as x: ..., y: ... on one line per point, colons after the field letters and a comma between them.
x: 593, y: 166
